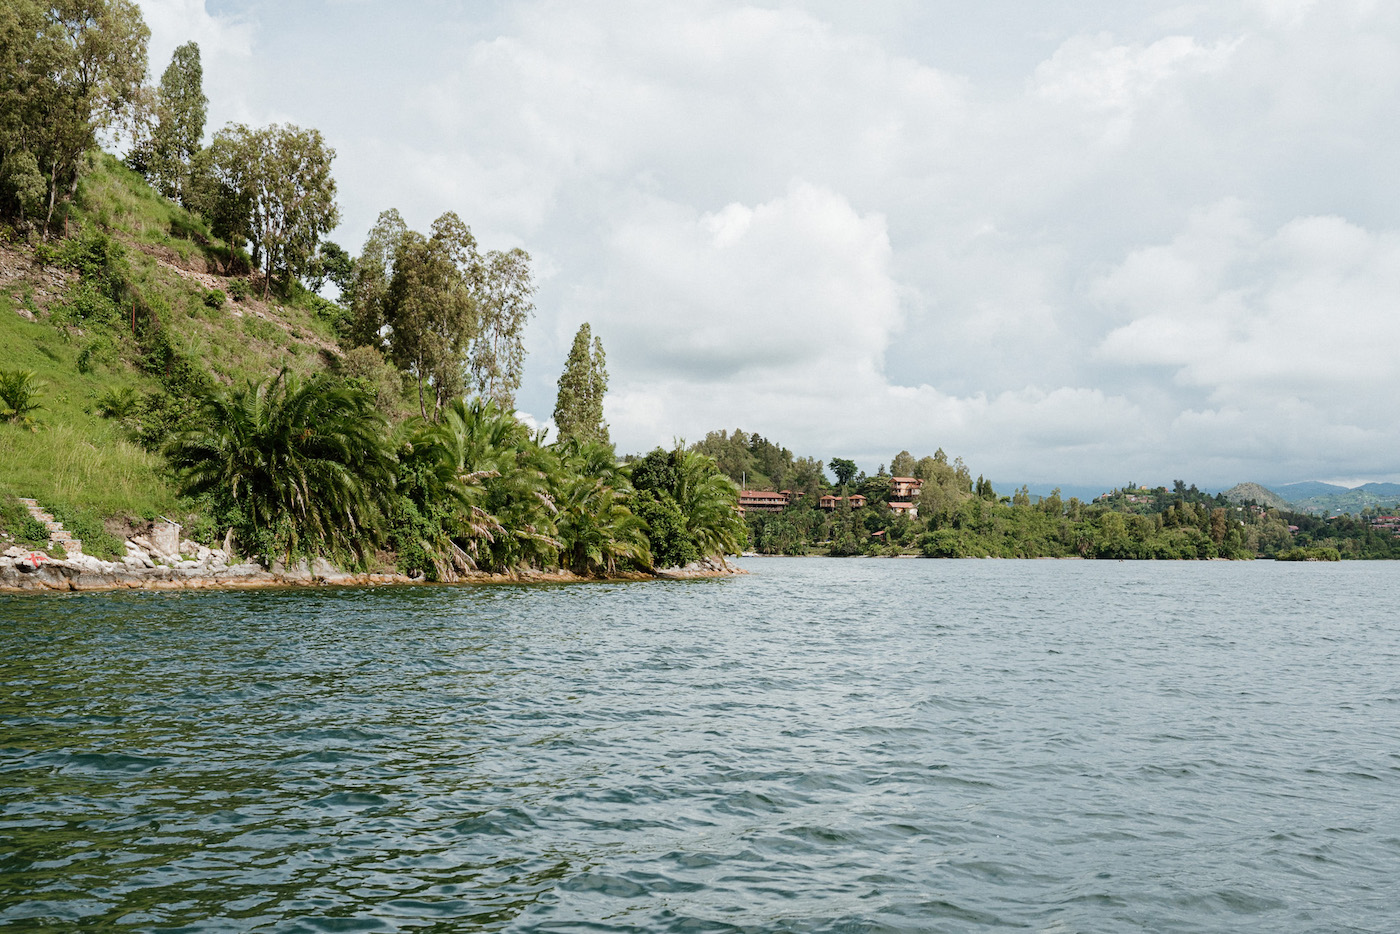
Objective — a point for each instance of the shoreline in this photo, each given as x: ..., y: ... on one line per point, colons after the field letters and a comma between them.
x: 37, y: 573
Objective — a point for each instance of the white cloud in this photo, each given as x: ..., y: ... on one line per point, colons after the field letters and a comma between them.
x: 1151, y: 238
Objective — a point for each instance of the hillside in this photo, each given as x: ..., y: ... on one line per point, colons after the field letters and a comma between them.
x: 1254, y: 493
x: 118, y: 323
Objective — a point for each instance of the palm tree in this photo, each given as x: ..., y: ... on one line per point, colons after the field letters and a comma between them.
x: 19, y: 392
x: 299, y: 465
x: 596, y: 529
x: 709, y: 501
x: 516, y: 471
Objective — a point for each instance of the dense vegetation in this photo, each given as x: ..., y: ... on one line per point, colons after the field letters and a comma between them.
x: 959, y: 516
x: 165, y: 351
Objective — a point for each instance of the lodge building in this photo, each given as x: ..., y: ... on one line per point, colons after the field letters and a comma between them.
x: 902, y: 493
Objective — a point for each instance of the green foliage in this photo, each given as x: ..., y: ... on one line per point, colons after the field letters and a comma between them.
x: 597, y: 530
x: 272, y: 187
x: 180, y: 109
x: 33, y: 532
x: 430, y: 310
x: 239, y: 290
x: 67, y: 72
x: 214, y: 298
x: 690, y: 507
x: 843, y: 469
x: 19, y: 397
x: 84, y: 524
x: 296, y: 466
x: 1309, y: 553
x: 120, y: 403
x: 578, y: 409
x: 97, y: 351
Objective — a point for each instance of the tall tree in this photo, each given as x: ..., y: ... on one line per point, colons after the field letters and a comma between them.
x: 180, y: 110
x: 369, y: 283
x: 68, y: 70
x: 578, y: 410
x: 282, y: 174
x: 844, y: 469
x: 430, y: 309
x: 498, y: 351
x: 902, y: 465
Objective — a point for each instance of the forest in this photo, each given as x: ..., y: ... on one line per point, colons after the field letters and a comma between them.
x: 959, y: 516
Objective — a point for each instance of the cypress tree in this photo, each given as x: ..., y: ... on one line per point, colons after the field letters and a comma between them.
x: 578, y: 411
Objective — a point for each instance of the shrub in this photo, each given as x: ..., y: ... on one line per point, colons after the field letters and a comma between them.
x: 19, y: 393
x: 96, y: 351
x: 239, y: 290
x: 214, y: 298
x: 32, y: 531
x: 120, y: 404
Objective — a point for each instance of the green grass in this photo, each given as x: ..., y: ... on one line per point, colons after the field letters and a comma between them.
x: 78, y: 462
x: 75, y: 456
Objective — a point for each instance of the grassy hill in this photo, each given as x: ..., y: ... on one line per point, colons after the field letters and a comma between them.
x: 1254, y: 493
x: 118, y: 323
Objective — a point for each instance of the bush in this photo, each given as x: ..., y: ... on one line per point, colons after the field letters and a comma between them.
x: 97, y: 351
x: 19, y: 396
x: 214, y: 298
x: 32, y: 531
x: 119, y: 404
x: 87, y: 527
x: 239, y: 290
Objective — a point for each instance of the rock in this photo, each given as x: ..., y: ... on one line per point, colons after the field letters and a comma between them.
x: 165, y: 538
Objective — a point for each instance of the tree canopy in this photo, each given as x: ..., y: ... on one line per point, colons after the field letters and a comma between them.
x: 277, y: 192
x: 180, y: 112
x: 68, y: 70
x: 578, y: 409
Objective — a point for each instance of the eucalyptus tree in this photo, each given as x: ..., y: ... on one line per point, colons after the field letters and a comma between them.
x: 280, y: 178
x: 452, y: 318
x: 369, y: 279
x: 69, y: 69
x: 298, y: 466
x: 504, y: 306
x: 578, y: 409
x: 430, y: 309
x: 180, y: 111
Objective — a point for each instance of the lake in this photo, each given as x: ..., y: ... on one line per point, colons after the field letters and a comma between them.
x: 824, y: 745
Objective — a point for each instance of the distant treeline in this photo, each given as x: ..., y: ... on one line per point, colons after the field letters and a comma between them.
x: 963, y: 516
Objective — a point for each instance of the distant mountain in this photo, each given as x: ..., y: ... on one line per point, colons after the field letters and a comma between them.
x: 1386, y: 491
x: 1254, y: 493
x: 1293, y: 492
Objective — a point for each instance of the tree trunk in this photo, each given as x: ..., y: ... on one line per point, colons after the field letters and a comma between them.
x: 53, y: 195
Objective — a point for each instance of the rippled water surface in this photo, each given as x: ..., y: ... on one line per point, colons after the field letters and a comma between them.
x: 856, y: 745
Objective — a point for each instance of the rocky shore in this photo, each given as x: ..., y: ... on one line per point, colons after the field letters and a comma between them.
x: 196, y: 567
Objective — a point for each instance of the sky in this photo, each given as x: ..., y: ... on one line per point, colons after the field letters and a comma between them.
x: 1071, y: 241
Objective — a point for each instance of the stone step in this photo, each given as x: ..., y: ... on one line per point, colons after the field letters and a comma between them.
x: 74, y: 546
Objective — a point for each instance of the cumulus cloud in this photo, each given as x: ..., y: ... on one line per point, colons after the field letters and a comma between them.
x: 1135, y: 239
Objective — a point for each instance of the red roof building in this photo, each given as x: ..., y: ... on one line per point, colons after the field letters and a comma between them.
x: 904, y: 488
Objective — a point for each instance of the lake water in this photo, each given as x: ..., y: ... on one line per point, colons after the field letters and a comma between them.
x: 826, y: 745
